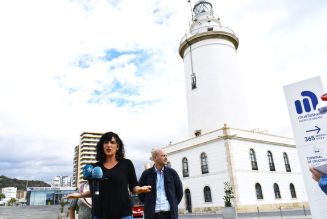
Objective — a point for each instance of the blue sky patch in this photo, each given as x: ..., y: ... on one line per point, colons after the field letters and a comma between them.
x: 85, y: 61
x: 161, y: 17
x: 125, y: 89
x: 121, y: 102
x: 118, y: 91
x: 114, y: 3
x: 111, y: 54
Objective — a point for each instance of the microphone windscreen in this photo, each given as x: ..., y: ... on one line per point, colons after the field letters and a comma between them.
x: 97, y: 173
x: 87, y: 171
x: 324, y: 97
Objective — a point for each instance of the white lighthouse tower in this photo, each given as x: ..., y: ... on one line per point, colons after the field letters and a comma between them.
x: 262, y: 168
x: 213, y: 85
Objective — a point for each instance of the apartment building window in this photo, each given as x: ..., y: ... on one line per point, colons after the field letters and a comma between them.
x: 207, y: 194
x: 292, y: 190
x: 253, y: 159
x: 204, y: 163
x: 271, y: 161
x: 276, y: 191
x: 287, y: 163
x: 258, y: 191
x: 185, y: 167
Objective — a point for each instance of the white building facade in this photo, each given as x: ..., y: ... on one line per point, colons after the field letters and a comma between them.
x: 62, y: 181
x: 263, y: 169
x: 9, y: 192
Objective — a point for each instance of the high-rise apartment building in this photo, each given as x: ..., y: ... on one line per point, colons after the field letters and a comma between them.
x: 62, y: 181
x: 84, y: 153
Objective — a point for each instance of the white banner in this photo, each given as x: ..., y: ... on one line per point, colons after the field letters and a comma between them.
x: 310, y: 133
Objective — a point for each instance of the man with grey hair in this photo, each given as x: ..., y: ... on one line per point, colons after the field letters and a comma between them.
x: 167, y: 189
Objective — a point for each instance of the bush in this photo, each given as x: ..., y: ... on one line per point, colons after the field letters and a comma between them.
x: 229, y: 194
x: 63, y: 203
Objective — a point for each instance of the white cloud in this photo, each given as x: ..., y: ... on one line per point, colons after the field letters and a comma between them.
x: 46, y: 96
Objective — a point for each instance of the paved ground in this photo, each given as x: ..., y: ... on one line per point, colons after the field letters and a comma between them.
x: 29, y: 212
x: 51, y: 212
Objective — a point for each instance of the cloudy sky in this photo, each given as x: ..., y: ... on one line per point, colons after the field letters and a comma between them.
x: 69, y: 66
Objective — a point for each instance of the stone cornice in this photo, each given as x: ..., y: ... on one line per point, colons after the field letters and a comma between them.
x: 207, y: 35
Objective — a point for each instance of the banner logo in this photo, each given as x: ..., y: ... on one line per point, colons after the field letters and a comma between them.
x: 308, y: 103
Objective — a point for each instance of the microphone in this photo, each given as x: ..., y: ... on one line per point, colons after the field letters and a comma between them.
x: 322, y: 106
x: 96, y: 176
x: 87, y: 171
x: 97, y: 173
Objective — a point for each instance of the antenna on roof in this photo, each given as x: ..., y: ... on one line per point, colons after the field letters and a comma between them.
x: 189, y: 1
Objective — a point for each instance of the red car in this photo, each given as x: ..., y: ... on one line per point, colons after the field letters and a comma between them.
x: 137, y: 206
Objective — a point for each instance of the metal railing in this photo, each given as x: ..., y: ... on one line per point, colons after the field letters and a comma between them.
x: 207, y: 28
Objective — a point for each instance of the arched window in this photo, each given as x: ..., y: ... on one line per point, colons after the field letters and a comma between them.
x: 207, y: 194
x: 204, y: 163
x: 253, y: 160
x: 287, y: 163
x: 271, y: 161
x: 188, y: 201
x: 168, y: 164
x: 276, y: 191
x: 292, y: 189
x: 258, y: 191
x: 185, y: 167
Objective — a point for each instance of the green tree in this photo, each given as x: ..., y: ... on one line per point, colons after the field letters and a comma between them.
x: 11, y: 201
x: 2, y: 196
x: 20, y: 184
x: 229, y: 194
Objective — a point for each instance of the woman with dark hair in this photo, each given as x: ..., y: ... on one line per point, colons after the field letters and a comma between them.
x: 113, y: 201
x: 106, y: 138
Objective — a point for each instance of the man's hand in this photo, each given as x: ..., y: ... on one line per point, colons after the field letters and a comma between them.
x: 316, y: 175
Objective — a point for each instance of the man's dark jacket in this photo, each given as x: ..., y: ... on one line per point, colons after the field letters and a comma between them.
x: 173, y: 188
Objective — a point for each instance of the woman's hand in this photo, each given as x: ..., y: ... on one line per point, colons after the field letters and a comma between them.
x: 144, y: 189
x: 79, y: 195
x: 74, y: 195
x: 141, y: 189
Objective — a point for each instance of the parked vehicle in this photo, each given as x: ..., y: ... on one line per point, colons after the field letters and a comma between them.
x: 137, y: 206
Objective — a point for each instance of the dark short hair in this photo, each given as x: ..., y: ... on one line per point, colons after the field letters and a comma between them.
x: 101, y: 157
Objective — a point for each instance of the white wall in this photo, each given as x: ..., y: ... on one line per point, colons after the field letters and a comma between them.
x: 217, y: 165
x: 9, y: 192
x: 218, y: 94
x: 247, y: 178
